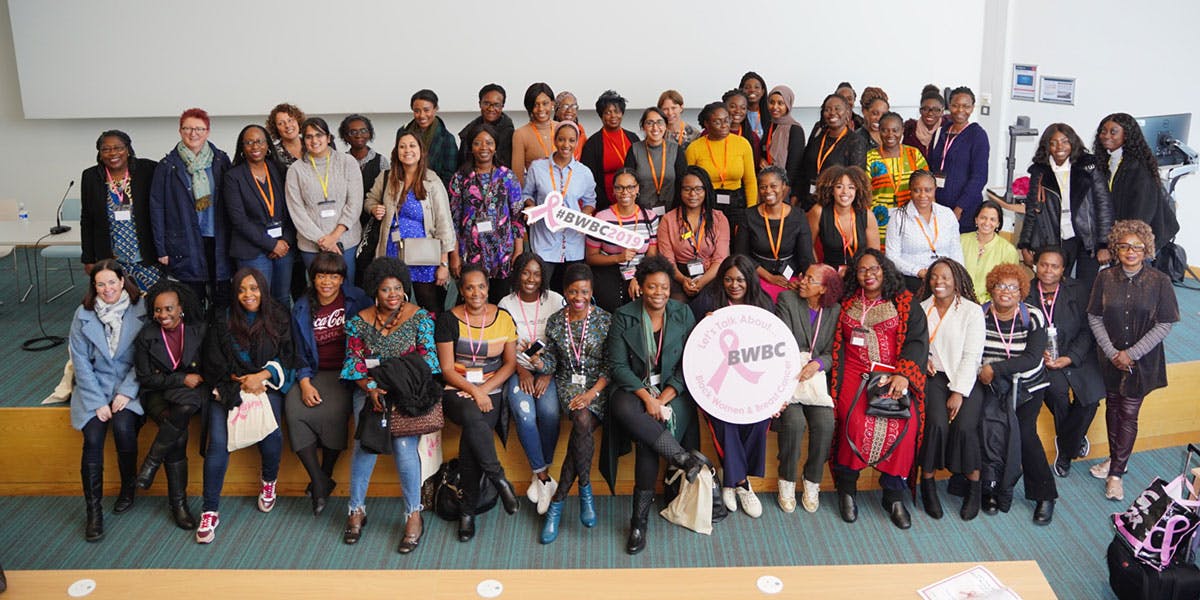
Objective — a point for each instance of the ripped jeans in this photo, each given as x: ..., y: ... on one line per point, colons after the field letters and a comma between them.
x: 408, y: 465
x: 536, y: 420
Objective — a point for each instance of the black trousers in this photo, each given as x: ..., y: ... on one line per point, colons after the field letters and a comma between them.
x: 476, y: 447
x: 1071, y: 419
x: 628, y: 409
x: 1039, y: 480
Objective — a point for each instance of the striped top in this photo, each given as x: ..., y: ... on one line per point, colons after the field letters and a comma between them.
x: 998, y: 345
x: 644, y: 222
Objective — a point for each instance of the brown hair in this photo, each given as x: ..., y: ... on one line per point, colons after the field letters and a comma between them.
x: 108, y: 264
x: 671, y: 95
x: 833, y: 174
x: 1125, y: 227
x: 870, y: 95
x: 397, y: 171
x: 1008, y: 271
x: 291, y: 109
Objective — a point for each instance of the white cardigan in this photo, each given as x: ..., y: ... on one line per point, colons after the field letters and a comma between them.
x: 957, y: 349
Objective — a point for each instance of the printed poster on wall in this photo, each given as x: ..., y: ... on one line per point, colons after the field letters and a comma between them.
x: 1024, y: 82
x: 1058, y: 90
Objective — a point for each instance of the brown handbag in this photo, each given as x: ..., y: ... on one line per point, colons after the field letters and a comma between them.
x: 400, y: 425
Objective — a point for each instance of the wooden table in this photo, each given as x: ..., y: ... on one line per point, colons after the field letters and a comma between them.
x: 876, y: 582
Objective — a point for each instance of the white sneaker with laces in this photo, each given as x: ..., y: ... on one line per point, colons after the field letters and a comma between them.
x: 787, y: 495
x: 749, y: 501
x: 266, y: 497
x: 730, y: 500
x: 545, y: 495
x: 207, y: 530
x: 812, y: 496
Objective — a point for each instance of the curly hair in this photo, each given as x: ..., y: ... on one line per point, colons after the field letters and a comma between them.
x: 610, y: 98
x: 963, y: 287
x: 1008, y: 271
x: 832, y: 283
x: 344, y: 127
x: 1126, y: 227
x: 650, y: 265
x: 189, y: 304
x: 1042, y: 155
x: 291, y: 109
x: 386, y: 267
x: 1135, y: 146
x: 755, y: 296
x: 893, y: 281
x: 833, y: 174
x: 870, y: 95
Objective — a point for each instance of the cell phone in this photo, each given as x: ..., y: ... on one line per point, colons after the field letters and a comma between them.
x: 534, y: 348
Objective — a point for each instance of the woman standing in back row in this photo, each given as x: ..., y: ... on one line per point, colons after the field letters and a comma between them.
x: 325, y: 198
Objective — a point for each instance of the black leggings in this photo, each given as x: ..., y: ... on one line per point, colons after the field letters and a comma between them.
x: 176, y: 417
x: 628, y: 409
x: 476, y: 447
x: 580, y: 449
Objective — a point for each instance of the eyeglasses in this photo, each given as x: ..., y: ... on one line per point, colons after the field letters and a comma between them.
x: 625, y: 188
x: 692, y: 189
x: 111, y: 149
x: 569, y: 107
x: 490, y: 105
x: 359, y: 131
x: 932, y: 109
x: 873, y: 270
x: 1006, y: 287
x: 191, y: 130
x: 314, y: 136
x: 253, y: 143
x: 1138, y: 248
x: 654, y: 124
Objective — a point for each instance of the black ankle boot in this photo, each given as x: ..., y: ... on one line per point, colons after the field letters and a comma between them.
x: 127, y: 463
x: 846, y: 483
x: 466, y: 528
x: 893, y: 503
x: 93, y: 493
x: 971, y: 503
x: 929, y: 498
x: 177, y: 479
x: 508, y: 496
x: 643, y: 500
x: 689, y: 462
x: 168, y: 436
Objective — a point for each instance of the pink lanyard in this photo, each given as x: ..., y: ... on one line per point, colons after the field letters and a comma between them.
x: 578, y: 352
x: 866, y: 310
x: 470, y: 343
x: 1049, y: 312
x: 532, y: 327
x: 171, y: 355
x: 812, y: 345
x: 1011, y: 332
x: 950, y: 139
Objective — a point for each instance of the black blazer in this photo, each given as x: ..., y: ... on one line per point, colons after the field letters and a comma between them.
x: 1075, y: 340
x: 94, y: 234
x: 247, y: 213
x: 156, y: 374
x: 592, y: 157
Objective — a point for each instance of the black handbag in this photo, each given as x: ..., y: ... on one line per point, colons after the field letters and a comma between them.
x: 879, y: 405
x: 447, y: 494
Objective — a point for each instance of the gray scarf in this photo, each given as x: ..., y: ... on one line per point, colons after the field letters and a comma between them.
x: 112, y: 316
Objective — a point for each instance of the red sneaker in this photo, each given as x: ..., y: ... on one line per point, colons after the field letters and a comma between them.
x: 266, y: 498
x: 207, y: 530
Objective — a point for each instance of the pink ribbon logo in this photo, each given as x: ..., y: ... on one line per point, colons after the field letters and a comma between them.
x: 729, y: 343
x: 547, y: 211
x: 242, y: 412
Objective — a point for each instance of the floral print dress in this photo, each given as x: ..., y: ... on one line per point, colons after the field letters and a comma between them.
x: 584, y: 338
x: 364, y: 341
x: 486, y: 209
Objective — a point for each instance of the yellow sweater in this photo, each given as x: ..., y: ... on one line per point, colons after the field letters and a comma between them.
x: 729, y: 162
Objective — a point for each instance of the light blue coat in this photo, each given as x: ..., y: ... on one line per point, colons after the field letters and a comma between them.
x: 98, y: 376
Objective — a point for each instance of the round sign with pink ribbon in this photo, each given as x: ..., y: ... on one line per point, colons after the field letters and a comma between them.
x: 740, y: 364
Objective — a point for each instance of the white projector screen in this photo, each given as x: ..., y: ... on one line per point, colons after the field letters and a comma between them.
x: 153, y: 58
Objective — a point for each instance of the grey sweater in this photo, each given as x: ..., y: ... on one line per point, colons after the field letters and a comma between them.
x: 315, y: 216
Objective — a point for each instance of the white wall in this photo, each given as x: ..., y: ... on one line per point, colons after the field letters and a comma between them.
x: 1139, y: 58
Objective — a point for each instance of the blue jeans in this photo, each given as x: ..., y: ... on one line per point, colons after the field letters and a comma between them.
x: 347, y: 255
x: 216, y: 457
x: 125, y: 425
x: 278, y: 273
x: 404, y: 454
x: 536, y: 420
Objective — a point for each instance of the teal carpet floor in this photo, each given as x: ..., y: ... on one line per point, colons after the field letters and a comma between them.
x: 47, y: 533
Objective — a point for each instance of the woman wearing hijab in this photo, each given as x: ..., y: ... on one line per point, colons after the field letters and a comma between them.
x: 783, y: 144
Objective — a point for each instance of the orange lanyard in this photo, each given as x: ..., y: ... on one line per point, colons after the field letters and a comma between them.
x: 771, y: 134
x: 269, y: 201
x: 849, y: 245
x: 566, y: 183
x: 679, y: 137
x: 621, y: 148
x: 654, y: 176
x: 941, y: 320
x: 637, y: 213
x: 698, y: 235
x: 907, y: 162
x: 822, y: 153
x: 546, y: 144
x: 774, y: 243
x: 713, y: 158
x: 932, y: 217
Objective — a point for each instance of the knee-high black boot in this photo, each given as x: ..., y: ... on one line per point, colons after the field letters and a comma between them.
x: 167, y: 438
x: 642, y: 501
x: 127, y: 463
x: 93, y: 492
x: 177, y: 479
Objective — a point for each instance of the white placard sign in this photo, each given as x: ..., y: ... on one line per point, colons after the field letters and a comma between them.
x: 559, y: 216
x: 740, y: 364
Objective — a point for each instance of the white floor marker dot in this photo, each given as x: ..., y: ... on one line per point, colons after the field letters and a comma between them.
x: 770, y: 584
x: 81, y: 588
x: 489, y: 588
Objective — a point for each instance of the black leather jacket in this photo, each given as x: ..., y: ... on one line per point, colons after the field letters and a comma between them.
x: 1091, y: 207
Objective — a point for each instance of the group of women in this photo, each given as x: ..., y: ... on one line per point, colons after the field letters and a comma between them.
x: 552, y: 324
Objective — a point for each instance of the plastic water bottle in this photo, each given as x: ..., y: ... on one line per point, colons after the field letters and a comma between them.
x: 1052, y: 342
x: 22, y: 213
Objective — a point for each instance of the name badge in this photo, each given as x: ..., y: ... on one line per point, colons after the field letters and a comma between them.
x: 788, y: 272
x: 723, y: 199
x: 122, y: 215
x: 858, y: 337
x: 627, y: 273
x: 578, y: 379
x: 372, y: 363
x: 475, y: 375
x: 660, y: 210
x: 275, y: 232
x: 655, y: 379
x: 695, y: 268
x: 941, y: 181
x: 484, y: 226
x: 812, y: 189
x: 328, y: 212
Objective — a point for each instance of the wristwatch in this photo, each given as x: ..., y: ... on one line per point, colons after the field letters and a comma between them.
x: 371, y: 385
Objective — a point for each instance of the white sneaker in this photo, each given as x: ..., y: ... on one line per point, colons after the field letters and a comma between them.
x: 730, y: 500
x: 207, y: 530
x: 266, y: 497
x: 534, y: 490
x: 787, y: 495
x: 1100, y: 470
x: 545, y: 495
x: 812, y: 496
x: 749, y: 501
